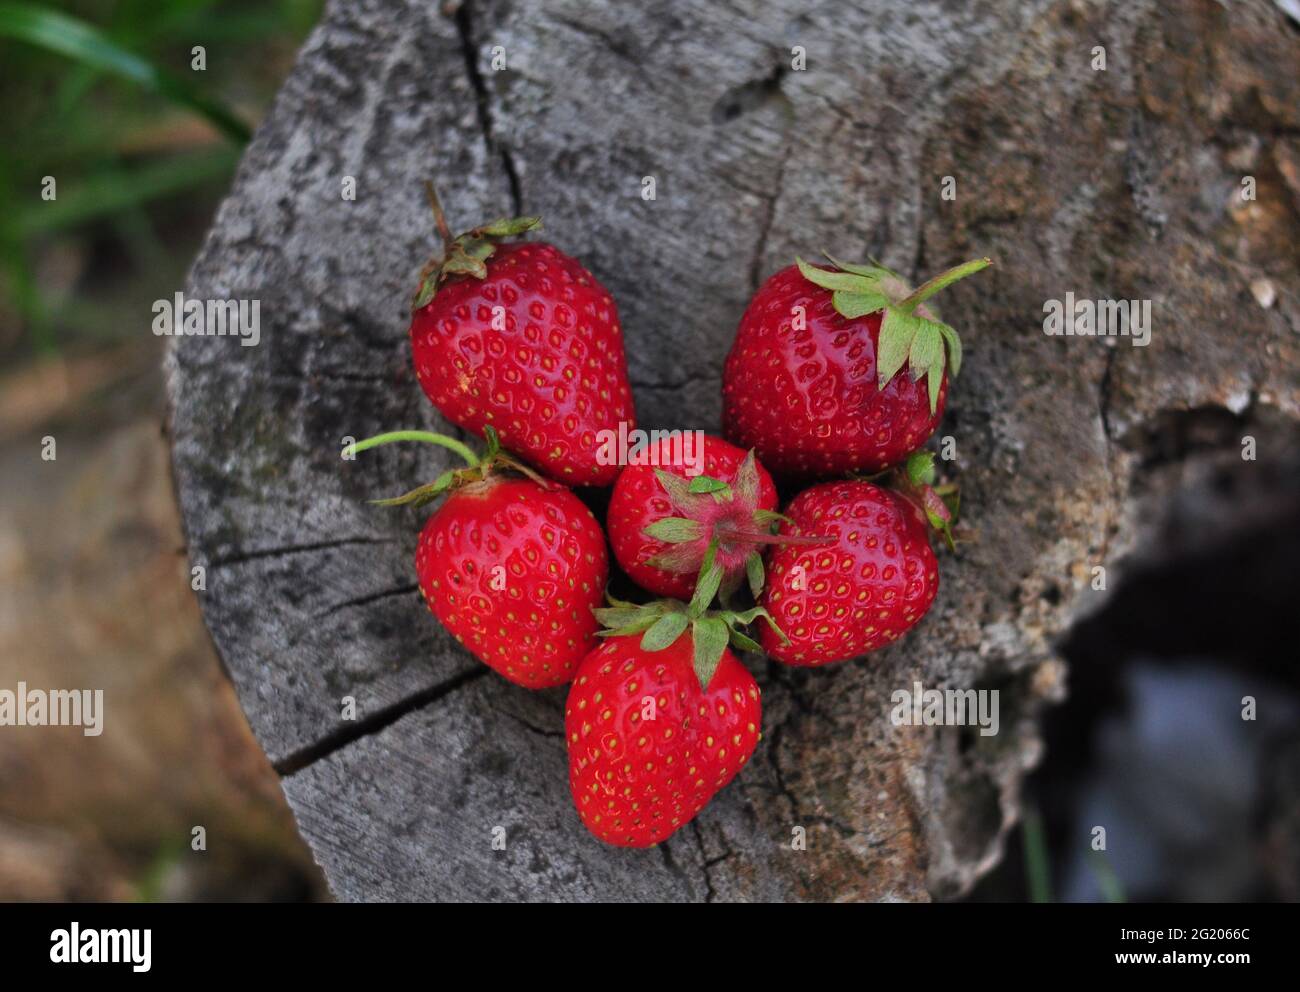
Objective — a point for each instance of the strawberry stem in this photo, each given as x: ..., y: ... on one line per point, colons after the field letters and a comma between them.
x: 942, y: 281
x: 439, y: 218
x: 522, y: 469
x: 427, y: 437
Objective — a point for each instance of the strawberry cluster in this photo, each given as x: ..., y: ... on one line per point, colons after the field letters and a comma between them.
x: 518, y: 343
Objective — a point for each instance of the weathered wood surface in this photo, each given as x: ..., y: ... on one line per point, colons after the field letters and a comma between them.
x: 1109, y: 184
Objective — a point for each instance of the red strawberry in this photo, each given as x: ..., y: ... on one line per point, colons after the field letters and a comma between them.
x: 520, y: 337
x: 730, y: 500
x: 648, y: 746
x: 863, y: 591
x: 811, y: 381
x: 513, y: 567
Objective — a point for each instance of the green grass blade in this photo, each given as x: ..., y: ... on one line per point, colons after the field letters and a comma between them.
x: 109, y: 192
x: 1037, y: 860
x: 78, y: 40
x: 1107, y: 880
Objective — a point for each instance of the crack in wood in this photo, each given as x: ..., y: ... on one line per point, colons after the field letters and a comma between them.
x: 1104, y: 389
x: 765, y: 228
x: 674, y: 869
x: 710, y: 893
x: 367, y: 598
x: 335, y: 741
x: 240, y: 557
x: 707, y: 864
x: 464, y: 21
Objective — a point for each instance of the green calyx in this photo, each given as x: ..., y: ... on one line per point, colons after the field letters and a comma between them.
x: 477, y: 467
x: 717, y: 531
x: 720, y: 534
x: 914, y: 480
x: 465, y: 254
x: 663, y: 621
x: 911, y: 332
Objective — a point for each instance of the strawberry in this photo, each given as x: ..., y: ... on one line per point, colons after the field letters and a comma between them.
x: 519, y: 336
x: 661, y: 521
x: 859, y: 593
x: 657, y: 724
x: 811, y: 381
x: 512, y: 567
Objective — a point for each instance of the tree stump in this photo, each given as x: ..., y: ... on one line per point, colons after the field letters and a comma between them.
x: 769, y: 132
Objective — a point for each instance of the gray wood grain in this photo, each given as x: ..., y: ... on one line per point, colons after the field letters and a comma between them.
x: 1106, y: 184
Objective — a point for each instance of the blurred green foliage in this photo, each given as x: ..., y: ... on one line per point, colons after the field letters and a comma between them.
x: 1037, y: 858
x: 101, y: 95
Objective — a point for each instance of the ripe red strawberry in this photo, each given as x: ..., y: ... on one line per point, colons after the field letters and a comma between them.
x: 648, y: 747
x: 841, y: 600
x: 811, y: 381
x: 730, y: 499
x: 512, y: 567
x: 520, y: 337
